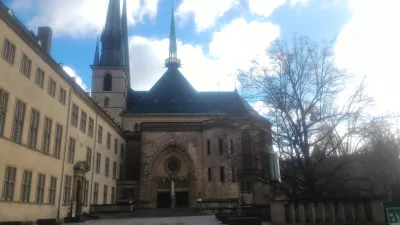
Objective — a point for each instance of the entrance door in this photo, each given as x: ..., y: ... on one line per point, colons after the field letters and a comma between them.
x: 163, y: 200
x: 182, y: 199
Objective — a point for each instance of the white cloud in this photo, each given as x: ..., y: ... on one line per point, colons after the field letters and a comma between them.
x: 261, y: 108
x: 71, y: 72
x: 267, y: 7
x: 369, y: 45
x: 205, y: 12
x: 84, y: 17
x: 228, y: 51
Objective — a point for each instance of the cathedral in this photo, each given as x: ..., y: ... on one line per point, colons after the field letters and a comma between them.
x: 180, y: 142
x: 64, y: 151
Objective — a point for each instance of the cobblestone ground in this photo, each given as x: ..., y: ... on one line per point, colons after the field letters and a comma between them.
x: 191, y: 220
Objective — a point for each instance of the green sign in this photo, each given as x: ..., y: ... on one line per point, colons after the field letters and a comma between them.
x: 393, y: 215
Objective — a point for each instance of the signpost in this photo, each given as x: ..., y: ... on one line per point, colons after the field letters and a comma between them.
x: 393, y: 215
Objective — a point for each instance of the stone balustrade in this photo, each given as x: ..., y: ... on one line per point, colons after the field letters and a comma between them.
x: 328, y: 211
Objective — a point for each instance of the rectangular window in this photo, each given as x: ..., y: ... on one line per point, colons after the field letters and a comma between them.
x: 100, y: 135
x: 57, y: 141
x: 26, y: 186
x: 40, y: 188
x: 3, y: 109
x: 232, y: 150
x: 107, y: 167
x: 113, y: 195
x: 85, y: 192
x: 8, y: 52
x: 88, y: 156
x: 116, y: 146
x: 220, y: 146
x: 46, y: 135
x: 9, y: 183
x: 98, y: 161
x: 208, y: 147
x: 245, y: 186
x: 51, y: 89
x: 105, y: 194
x: 67, y: 189
x: 91, y: 127
x: 62, y: 96
x: 26, y: 65
x: 120, y: 172
x: 233, y: 174
x: 122, y: 150
x: 222, y: 174
x: 52, y: 190
x: 19, y: 116
x: 71, y: 150
x: 108, y: 141
x: 114, y: 172
x: 33, y: 129
x: 96, y: 194
x: 74, y: 117
x: 39, y: 79
x: 83, y: 121
x: 209, y: 174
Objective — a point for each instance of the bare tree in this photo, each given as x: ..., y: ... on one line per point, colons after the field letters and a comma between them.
x: 313, y: 126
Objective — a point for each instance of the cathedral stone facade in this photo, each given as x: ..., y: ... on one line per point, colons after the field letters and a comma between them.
x: 180, y: 142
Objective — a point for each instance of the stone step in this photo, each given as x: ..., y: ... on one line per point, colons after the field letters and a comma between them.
x: 149, y: 213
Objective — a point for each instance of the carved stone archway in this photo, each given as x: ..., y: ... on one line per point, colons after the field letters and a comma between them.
x: 79, y: 178
x: 172, y: 171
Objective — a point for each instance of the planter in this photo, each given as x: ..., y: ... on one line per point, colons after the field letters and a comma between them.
x: 244, y: 220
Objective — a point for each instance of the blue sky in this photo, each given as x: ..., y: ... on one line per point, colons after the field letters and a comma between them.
x: 217, y: 37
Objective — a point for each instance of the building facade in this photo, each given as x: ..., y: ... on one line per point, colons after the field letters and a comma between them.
x: 171, y: 146
x: 57, y: 145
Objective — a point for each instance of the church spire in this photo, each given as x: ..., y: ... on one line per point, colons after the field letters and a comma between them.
x: 125, y: 45
x: 172, y: 61
x: 96, y: 59
x: 111, y: 36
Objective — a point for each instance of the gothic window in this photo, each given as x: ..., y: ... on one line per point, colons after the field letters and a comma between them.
x: 107, y: 82
x: 106, y: 101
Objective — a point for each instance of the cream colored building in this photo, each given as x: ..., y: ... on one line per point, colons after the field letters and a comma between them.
x: 57, y: 143
x: 49, y: 132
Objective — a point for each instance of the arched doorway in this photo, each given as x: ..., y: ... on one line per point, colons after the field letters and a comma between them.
x: 174, y: 180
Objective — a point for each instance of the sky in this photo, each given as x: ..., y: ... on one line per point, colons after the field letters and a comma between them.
x: 218, y: 37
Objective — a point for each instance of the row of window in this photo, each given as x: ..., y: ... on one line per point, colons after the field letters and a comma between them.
x: 26, y: 186
x: 46, y: 187
x: 245, y: 185
x: 18, y: 126
x: 107, y: 166
x: 8, y: 54
x: 90, y: 128
x: 220, y: 146
x: 105, y: 194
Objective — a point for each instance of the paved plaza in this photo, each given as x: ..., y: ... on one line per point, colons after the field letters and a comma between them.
x: 190, y: 220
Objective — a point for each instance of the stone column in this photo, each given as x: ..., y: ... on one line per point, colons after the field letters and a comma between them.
x: 311, y: 211
x: 342, y: 216
x: 360, y: 212
x: 172, y: 194
x: 330, y: 212
x: 292, y: 214
x: 302, y: 215
x: 278, y: 213
x: 321, y: 212
x: 378, y: 213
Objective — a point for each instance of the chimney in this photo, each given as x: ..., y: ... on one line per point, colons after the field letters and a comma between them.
x: 44, y: 35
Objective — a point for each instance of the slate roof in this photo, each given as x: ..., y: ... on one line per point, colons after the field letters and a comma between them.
x: 173, y: 93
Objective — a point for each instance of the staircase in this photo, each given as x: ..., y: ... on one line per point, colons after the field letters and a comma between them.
x: 148, y: 213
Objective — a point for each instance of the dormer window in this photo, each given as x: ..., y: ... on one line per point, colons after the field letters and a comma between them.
x: 173, y: 100
x: 107, y: 82
x: 156, y: 100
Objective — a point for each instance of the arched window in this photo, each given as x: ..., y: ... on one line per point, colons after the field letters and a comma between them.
x: 106, y: 101
x: 107, y: 82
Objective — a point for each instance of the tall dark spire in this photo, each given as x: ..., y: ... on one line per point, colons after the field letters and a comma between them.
x: 111, y: 37
x: 96, y: 59
x: 125, y: 45
x: 172, y: 61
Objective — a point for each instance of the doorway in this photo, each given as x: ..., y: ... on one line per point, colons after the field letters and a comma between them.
x: 182, y: 199
x: 163, y: 200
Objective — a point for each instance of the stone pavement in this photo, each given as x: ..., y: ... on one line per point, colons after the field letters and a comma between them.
x: 190, y: 220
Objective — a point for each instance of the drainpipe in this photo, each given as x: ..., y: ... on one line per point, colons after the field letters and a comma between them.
x: 64, y: 152
x: 93, y: 160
